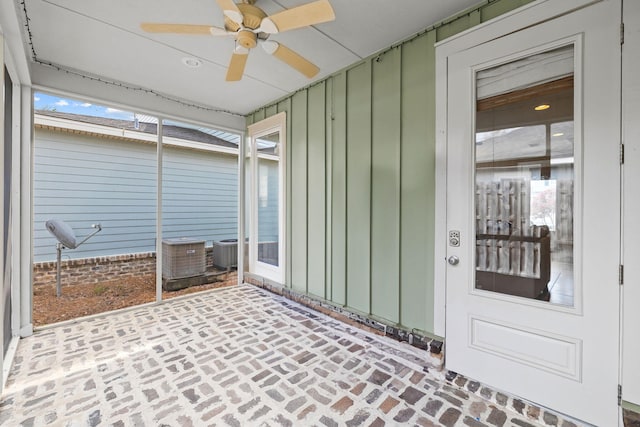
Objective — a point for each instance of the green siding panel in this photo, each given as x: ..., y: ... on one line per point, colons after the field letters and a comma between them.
x: 418, y: 182
x: 500, y: 7
x: 316, y: 191
x: 259, y: 115
x: 284, y: 106
x: 359, y: 187
x: 298, y: 139
x: 385, y: 186
x: 454, y: 27
x: 361, y: 180
x: 475, y: 18
x: 339, y: 190
x: 271, y: 110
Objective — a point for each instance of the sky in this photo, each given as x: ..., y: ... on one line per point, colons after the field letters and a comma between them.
x: 45, y: 101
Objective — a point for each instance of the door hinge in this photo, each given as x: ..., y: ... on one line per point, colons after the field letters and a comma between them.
x: 622, y: 33
x: 621, y: 275
x: 622, y: 154
x: 619, y: 394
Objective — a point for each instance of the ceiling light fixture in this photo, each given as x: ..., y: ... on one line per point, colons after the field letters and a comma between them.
x: 541, y: 107
x: 191, y: 62
x: 558, y: 134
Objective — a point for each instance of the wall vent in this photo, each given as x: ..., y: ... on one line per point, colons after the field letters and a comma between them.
x: 182, y: 257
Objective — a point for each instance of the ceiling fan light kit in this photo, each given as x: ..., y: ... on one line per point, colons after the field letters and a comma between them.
x: 250, y: 26
x: 268, y: 26
x: 230, y: 10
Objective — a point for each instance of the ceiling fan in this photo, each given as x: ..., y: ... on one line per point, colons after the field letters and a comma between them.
x: 250, y: 25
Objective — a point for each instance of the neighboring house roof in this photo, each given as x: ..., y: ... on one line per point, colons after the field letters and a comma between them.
x: 171, y: 131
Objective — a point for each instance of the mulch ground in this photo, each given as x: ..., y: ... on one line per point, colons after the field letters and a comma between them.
x: 93, y: 298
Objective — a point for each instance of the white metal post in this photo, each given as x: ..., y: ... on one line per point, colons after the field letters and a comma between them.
x: 241, y: 208
x: 159, y: 214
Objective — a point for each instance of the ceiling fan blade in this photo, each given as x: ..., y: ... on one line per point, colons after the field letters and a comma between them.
x: 208, y: 30
x: 291, y: 58
x: 308, y: 14
x: 237, y: 63
x: 230, y: 9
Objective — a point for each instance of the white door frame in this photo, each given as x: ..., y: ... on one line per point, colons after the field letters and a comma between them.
x: 15, y: 243
x: 277, y: 122
x: 2, y: 197
x: 631, y: 225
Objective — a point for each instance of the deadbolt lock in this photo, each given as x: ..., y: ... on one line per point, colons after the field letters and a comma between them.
x: 454, y: 238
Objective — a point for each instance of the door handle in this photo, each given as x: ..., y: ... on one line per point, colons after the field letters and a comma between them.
x: 453, y: 260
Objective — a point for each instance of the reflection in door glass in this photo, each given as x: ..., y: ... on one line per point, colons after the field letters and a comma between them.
x: 524, y: 177
x: 268, y: 148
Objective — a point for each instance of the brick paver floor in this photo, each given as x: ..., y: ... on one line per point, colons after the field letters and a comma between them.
x: 238, y: 356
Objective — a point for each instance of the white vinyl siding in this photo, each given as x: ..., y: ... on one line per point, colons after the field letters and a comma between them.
x: 83, y: 180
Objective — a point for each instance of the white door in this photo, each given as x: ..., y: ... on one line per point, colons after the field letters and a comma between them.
x: 267, y: 208
x: 533, y: 213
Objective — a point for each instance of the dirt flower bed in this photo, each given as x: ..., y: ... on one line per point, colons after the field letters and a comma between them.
x: 86, y: 299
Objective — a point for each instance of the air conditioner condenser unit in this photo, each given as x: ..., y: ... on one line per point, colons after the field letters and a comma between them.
x: 225, y: 254
x: 183, y: 257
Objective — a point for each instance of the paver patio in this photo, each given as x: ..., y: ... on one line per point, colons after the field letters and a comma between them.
x: 239, y: 356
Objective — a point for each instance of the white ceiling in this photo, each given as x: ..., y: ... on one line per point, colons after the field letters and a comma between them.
x: 103, y: 38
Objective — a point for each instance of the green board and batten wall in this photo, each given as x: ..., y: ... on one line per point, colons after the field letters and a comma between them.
x: 361, y: 179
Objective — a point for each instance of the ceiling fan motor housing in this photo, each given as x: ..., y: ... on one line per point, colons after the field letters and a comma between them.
x: 252, y: 15
x: 247, y: 39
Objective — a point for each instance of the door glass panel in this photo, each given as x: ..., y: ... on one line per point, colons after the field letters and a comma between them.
x: 524, y: 177
x: 268, y: 197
